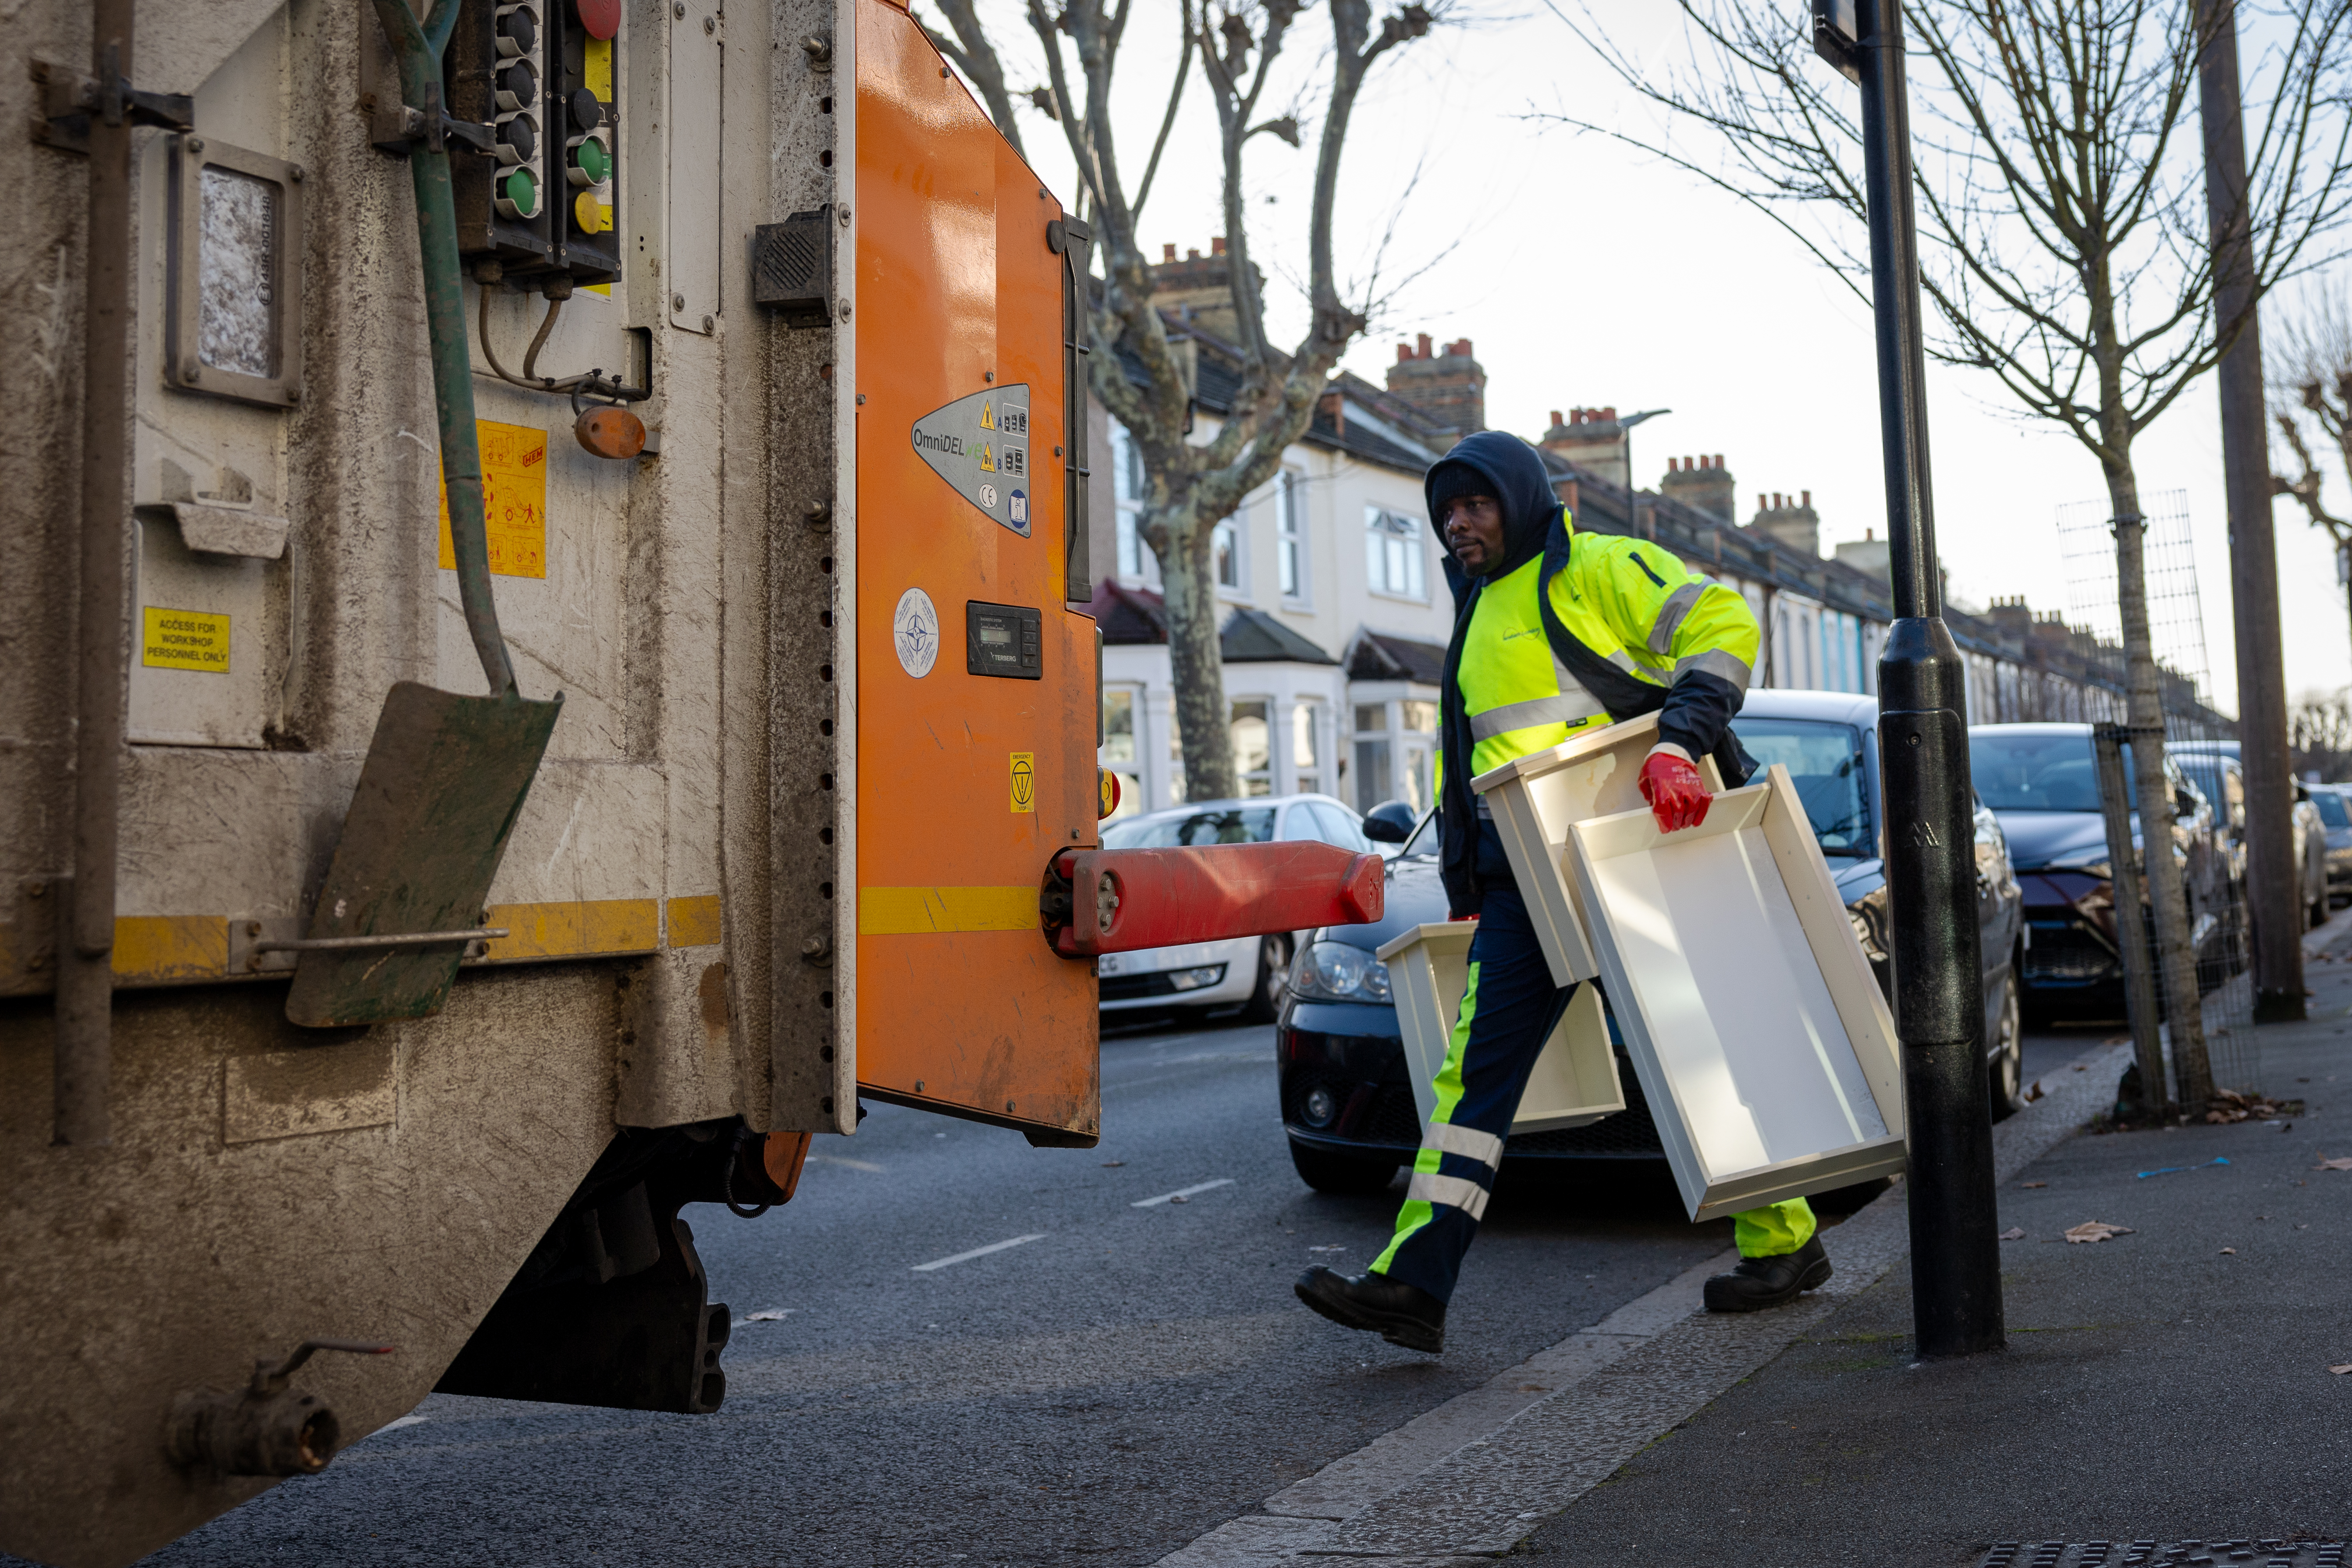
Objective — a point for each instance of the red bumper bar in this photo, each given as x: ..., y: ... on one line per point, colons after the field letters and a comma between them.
x: 1118, y: 900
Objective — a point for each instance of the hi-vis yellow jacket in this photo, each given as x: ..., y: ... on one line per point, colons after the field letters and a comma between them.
x: 1650, y: 620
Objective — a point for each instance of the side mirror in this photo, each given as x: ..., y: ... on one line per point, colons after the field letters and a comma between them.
x: 1390, y: 822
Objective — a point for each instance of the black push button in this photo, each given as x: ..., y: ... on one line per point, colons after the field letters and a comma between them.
x: 1005, y: 640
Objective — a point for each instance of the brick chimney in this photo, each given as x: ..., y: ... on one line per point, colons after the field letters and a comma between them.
x: 1702, y: 483
x: 1448, y: 388
x: 1591, y: 438
x: 1871, y: 555
x: 1199, y: 289
x: 1791, y: 521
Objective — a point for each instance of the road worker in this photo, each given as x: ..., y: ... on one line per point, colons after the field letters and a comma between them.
x: 1554, y: 631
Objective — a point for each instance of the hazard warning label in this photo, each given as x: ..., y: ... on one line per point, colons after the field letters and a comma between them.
x: 1024, y: 780
x: 514, y: 500
x: 979, y: 445
x: 184, y: 639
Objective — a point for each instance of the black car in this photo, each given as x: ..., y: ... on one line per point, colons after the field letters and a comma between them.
x: 2039, y: 780
x: 1347, y: 1103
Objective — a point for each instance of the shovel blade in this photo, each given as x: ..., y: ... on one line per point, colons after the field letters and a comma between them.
x: 445, y: 780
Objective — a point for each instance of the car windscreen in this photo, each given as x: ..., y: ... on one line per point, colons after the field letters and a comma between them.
x: 1824, y: 760
x: 2331, y: 808
x: 1423, y: 845
x: 2042, y: 772
x: 2204, y: 771
x: 1231, y: 825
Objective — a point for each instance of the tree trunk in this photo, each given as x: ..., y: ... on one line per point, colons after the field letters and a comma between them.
x: 2167, y: 890
x: 1196, y: 659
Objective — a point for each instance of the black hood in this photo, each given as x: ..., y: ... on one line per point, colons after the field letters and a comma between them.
x: 1516, y: 478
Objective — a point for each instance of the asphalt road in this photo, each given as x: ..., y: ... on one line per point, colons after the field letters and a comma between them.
x: 1131, y: 1372
x: 1132, y: 1377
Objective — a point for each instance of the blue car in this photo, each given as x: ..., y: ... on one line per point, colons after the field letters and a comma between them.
x: 1347, y: 1104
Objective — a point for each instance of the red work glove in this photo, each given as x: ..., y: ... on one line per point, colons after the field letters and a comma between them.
x: 1678, y: 798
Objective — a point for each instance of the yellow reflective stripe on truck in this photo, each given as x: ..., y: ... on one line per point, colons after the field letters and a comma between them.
x: 919, y: 911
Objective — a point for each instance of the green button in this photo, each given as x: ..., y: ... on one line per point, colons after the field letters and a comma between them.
x: 522, y: 189
x: 592, y: 159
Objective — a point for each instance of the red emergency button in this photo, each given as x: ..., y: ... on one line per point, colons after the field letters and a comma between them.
x: 599, y: 18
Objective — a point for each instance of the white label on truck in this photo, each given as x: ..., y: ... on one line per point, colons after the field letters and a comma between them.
x: 915, y: 633
x: 979, y: 445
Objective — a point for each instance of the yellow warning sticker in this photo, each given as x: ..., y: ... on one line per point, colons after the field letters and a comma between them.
x: 185, y: 639
x: 1024, y: 780
x: 988, y: 416
x: 596, y: 68
x: 514, y: 500
x: 987, y: 458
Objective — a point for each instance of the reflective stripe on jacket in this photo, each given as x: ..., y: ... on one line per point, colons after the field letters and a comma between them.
x: 1632, y: 603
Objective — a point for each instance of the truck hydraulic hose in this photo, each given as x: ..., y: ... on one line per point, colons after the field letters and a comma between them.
x: 418, y: 47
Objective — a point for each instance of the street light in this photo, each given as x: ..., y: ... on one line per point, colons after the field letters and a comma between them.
x: 1923, y: 743
x: 1632, y: 488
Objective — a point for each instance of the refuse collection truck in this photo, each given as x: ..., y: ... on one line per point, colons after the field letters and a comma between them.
x: 543, y: 602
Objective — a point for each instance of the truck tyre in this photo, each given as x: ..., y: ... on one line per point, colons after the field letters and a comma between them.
x: 1343, y: 1176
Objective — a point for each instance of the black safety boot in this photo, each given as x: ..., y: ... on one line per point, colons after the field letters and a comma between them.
x: 1402, y: 1314
x: 1761, y: 1282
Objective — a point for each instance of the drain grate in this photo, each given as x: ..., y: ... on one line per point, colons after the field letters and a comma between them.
x: 2263, y: 1553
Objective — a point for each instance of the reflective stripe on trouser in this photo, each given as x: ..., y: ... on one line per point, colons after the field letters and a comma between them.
x: 1508, y: 1009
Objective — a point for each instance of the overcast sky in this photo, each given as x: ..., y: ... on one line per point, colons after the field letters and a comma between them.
x: 1588, y: 274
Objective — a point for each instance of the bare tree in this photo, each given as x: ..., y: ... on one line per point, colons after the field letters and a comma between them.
x: 2310, y: 377
x: 2063, y: 226
x: 2319, y: 729
x: 1189, y: 487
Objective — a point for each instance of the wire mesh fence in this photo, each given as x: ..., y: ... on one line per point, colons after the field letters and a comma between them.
x: 2214, y: 871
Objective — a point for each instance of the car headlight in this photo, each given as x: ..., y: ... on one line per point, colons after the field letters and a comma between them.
x: 1335, y: 972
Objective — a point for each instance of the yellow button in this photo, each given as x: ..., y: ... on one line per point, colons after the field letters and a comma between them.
x: 592, y: 215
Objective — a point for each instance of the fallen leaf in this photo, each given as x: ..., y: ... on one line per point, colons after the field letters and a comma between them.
x: 2096, y: 1230
x: 2343, y: 1164
x: 2229, y: 1252
x: 1112, y: 1164
x: 1179, y: 1200
x: 2079, y: 1067
x: 2035, y: 1093
x: 2338, y: 1371
x: 2012, y: 1234
x: 2033, y: 1184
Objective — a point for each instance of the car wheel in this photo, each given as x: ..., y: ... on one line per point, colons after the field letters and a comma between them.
x: 1346, y: 1175
x: 2005, y: 1072
x: 1273, y: 968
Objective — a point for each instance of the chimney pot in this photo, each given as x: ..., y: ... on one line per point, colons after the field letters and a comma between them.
x: 1191, y: 254
x: 1759, y: 500
x: 1404, y: 353
x: 1217, y: 246
x: 1718, y: 459
x: 1804, y: 498
x: 1555, y: 419
x: 1422, y: 338
x: 1459, y: 346
x: 1609, y: 414
x: 1868, y: 534
x: 1167, y: 253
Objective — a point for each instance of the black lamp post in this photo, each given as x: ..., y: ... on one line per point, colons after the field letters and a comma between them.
x: 1923, y: 741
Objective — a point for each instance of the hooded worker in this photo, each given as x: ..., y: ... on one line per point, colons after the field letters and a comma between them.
x: 1554, y: 631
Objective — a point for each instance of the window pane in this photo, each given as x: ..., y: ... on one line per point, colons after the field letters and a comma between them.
x: 1340, y: 829
x: 1824, y: 762
x: 1251, y: 738
x: 1245, y: 825
x: 1305, y: 720
x: 1119, y: 726
x: 1421, y: 716
x: 1373, y: 775
x: 1371, y: 719
x: 1286, y: 558
x: 1416, y: 791
x: 1228, y: 548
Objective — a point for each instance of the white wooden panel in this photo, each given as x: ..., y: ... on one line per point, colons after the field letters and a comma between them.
x: 697, y: 55
x: 1735, y: 1002
x: 1575, y: 1079
x: 1534, y: 799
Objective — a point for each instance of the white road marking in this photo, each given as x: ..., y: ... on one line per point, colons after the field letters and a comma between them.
x: 1180, y: 1193
x: 844, y: 1160
x: 977, y: 1252
x: 404, y: 1421
x: 772, y: 1315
